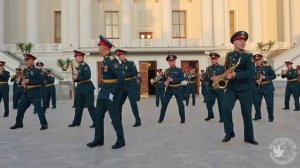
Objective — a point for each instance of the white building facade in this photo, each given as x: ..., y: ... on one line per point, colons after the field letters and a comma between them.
x: 148, y: 29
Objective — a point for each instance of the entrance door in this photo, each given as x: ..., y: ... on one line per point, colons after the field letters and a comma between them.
x: 147, y: 71
x: 144, y: 75
x: 186, y: 65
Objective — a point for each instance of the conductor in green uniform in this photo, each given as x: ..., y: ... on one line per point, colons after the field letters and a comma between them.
x: 32, y: 82
x: 264, y: 88
x: 85, y: 90
x: 112, y: 83
x: 292, y: 86
x: 173, y: 78
x: 239, y: 87
x: 212, y: 74
x: 4, y: 88
x: 131, y: 87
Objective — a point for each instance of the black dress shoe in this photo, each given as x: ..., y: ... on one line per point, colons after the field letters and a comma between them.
x: 285, y: 108
x: 253, y: 142
x: 44, y: 127
x: 137, y: 124
x: 182, y: 121
x: 118, y: 145
x: 160, y: 121
x: 271, y: 119
x: 193, y: 104
x: 297, y: 109
x: 53, y: 107
x: 93, y: 126
x: 73, y: 125
x: 221, y: 121
x: 5, y: 115
x: 95, y: 143
x: 255, y: 119
x: 228, y: 137
x: 16, y: 126
x: 208, y: 118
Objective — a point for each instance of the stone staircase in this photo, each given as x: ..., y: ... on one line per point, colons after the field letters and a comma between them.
x: 14, y: 61
x: 292, y: 54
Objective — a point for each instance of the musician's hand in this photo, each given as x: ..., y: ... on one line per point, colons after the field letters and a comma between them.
x: 258, y: 81
x: 25, y: 81
x: 231, y: 75
x: 74, y: 77
x: 166, y: 83
x: 262, y: 77
x: 170, y: 79
x: 215, y: 78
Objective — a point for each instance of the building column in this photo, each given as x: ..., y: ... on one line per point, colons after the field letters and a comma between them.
x: 85, y: 23
x: 166, y: 22
x: 73, y: 24
x: 294, y: 22
x: 286, y: 23
x: 32, y: 21
x: 227, y: 24
x: 207, y: 23
x: 219, y: 22
x: 1, y: 24
x: 126, y: 22
x: 256, y: 20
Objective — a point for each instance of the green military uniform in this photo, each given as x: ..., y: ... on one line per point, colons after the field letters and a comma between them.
x: 113, y: 81
x: 84, y: 92
x: 264, y: 89
x: 50, y: 90
x: 4, y: 89
x: 173, y: 88
x: 203, y: 85
x: 184, y: 85
x: 292, y: 88
x: 43, y: 87
x: 17, y: 87
x: 159, y: 89
x: 32, y: 95
x: 213, y: 94
x: 240, y: 89
x: 130, y: 89
x: 190, y: 88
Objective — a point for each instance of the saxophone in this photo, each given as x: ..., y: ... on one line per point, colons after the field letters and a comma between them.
x: 222, y: 82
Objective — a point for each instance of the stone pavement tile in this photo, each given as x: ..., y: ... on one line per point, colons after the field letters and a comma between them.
x: 167, y: 145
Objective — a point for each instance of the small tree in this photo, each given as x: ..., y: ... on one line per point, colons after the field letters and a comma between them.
x: 265, y: 46
x: 24, y: 47
x: 64, y: 64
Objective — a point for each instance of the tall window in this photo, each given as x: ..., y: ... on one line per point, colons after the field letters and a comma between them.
x: 179, y: 24
x: 232, y: 21
x: 112, y: 24
x: 57, y: 26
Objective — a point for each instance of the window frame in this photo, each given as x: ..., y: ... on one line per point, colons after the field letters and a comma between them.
x: 112, y: 24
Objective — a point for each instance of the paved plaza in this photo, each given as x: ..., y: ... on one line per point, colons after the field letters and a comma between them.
x: 195, y: 144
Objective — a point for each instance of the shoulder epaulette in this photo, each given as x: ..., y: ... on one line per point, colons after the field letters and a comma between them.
x: 111, y: 57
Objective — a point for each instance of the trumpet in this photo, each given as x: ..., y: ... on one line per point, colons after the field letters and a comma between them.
x: 155, y: 80
x: 222, y: 82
